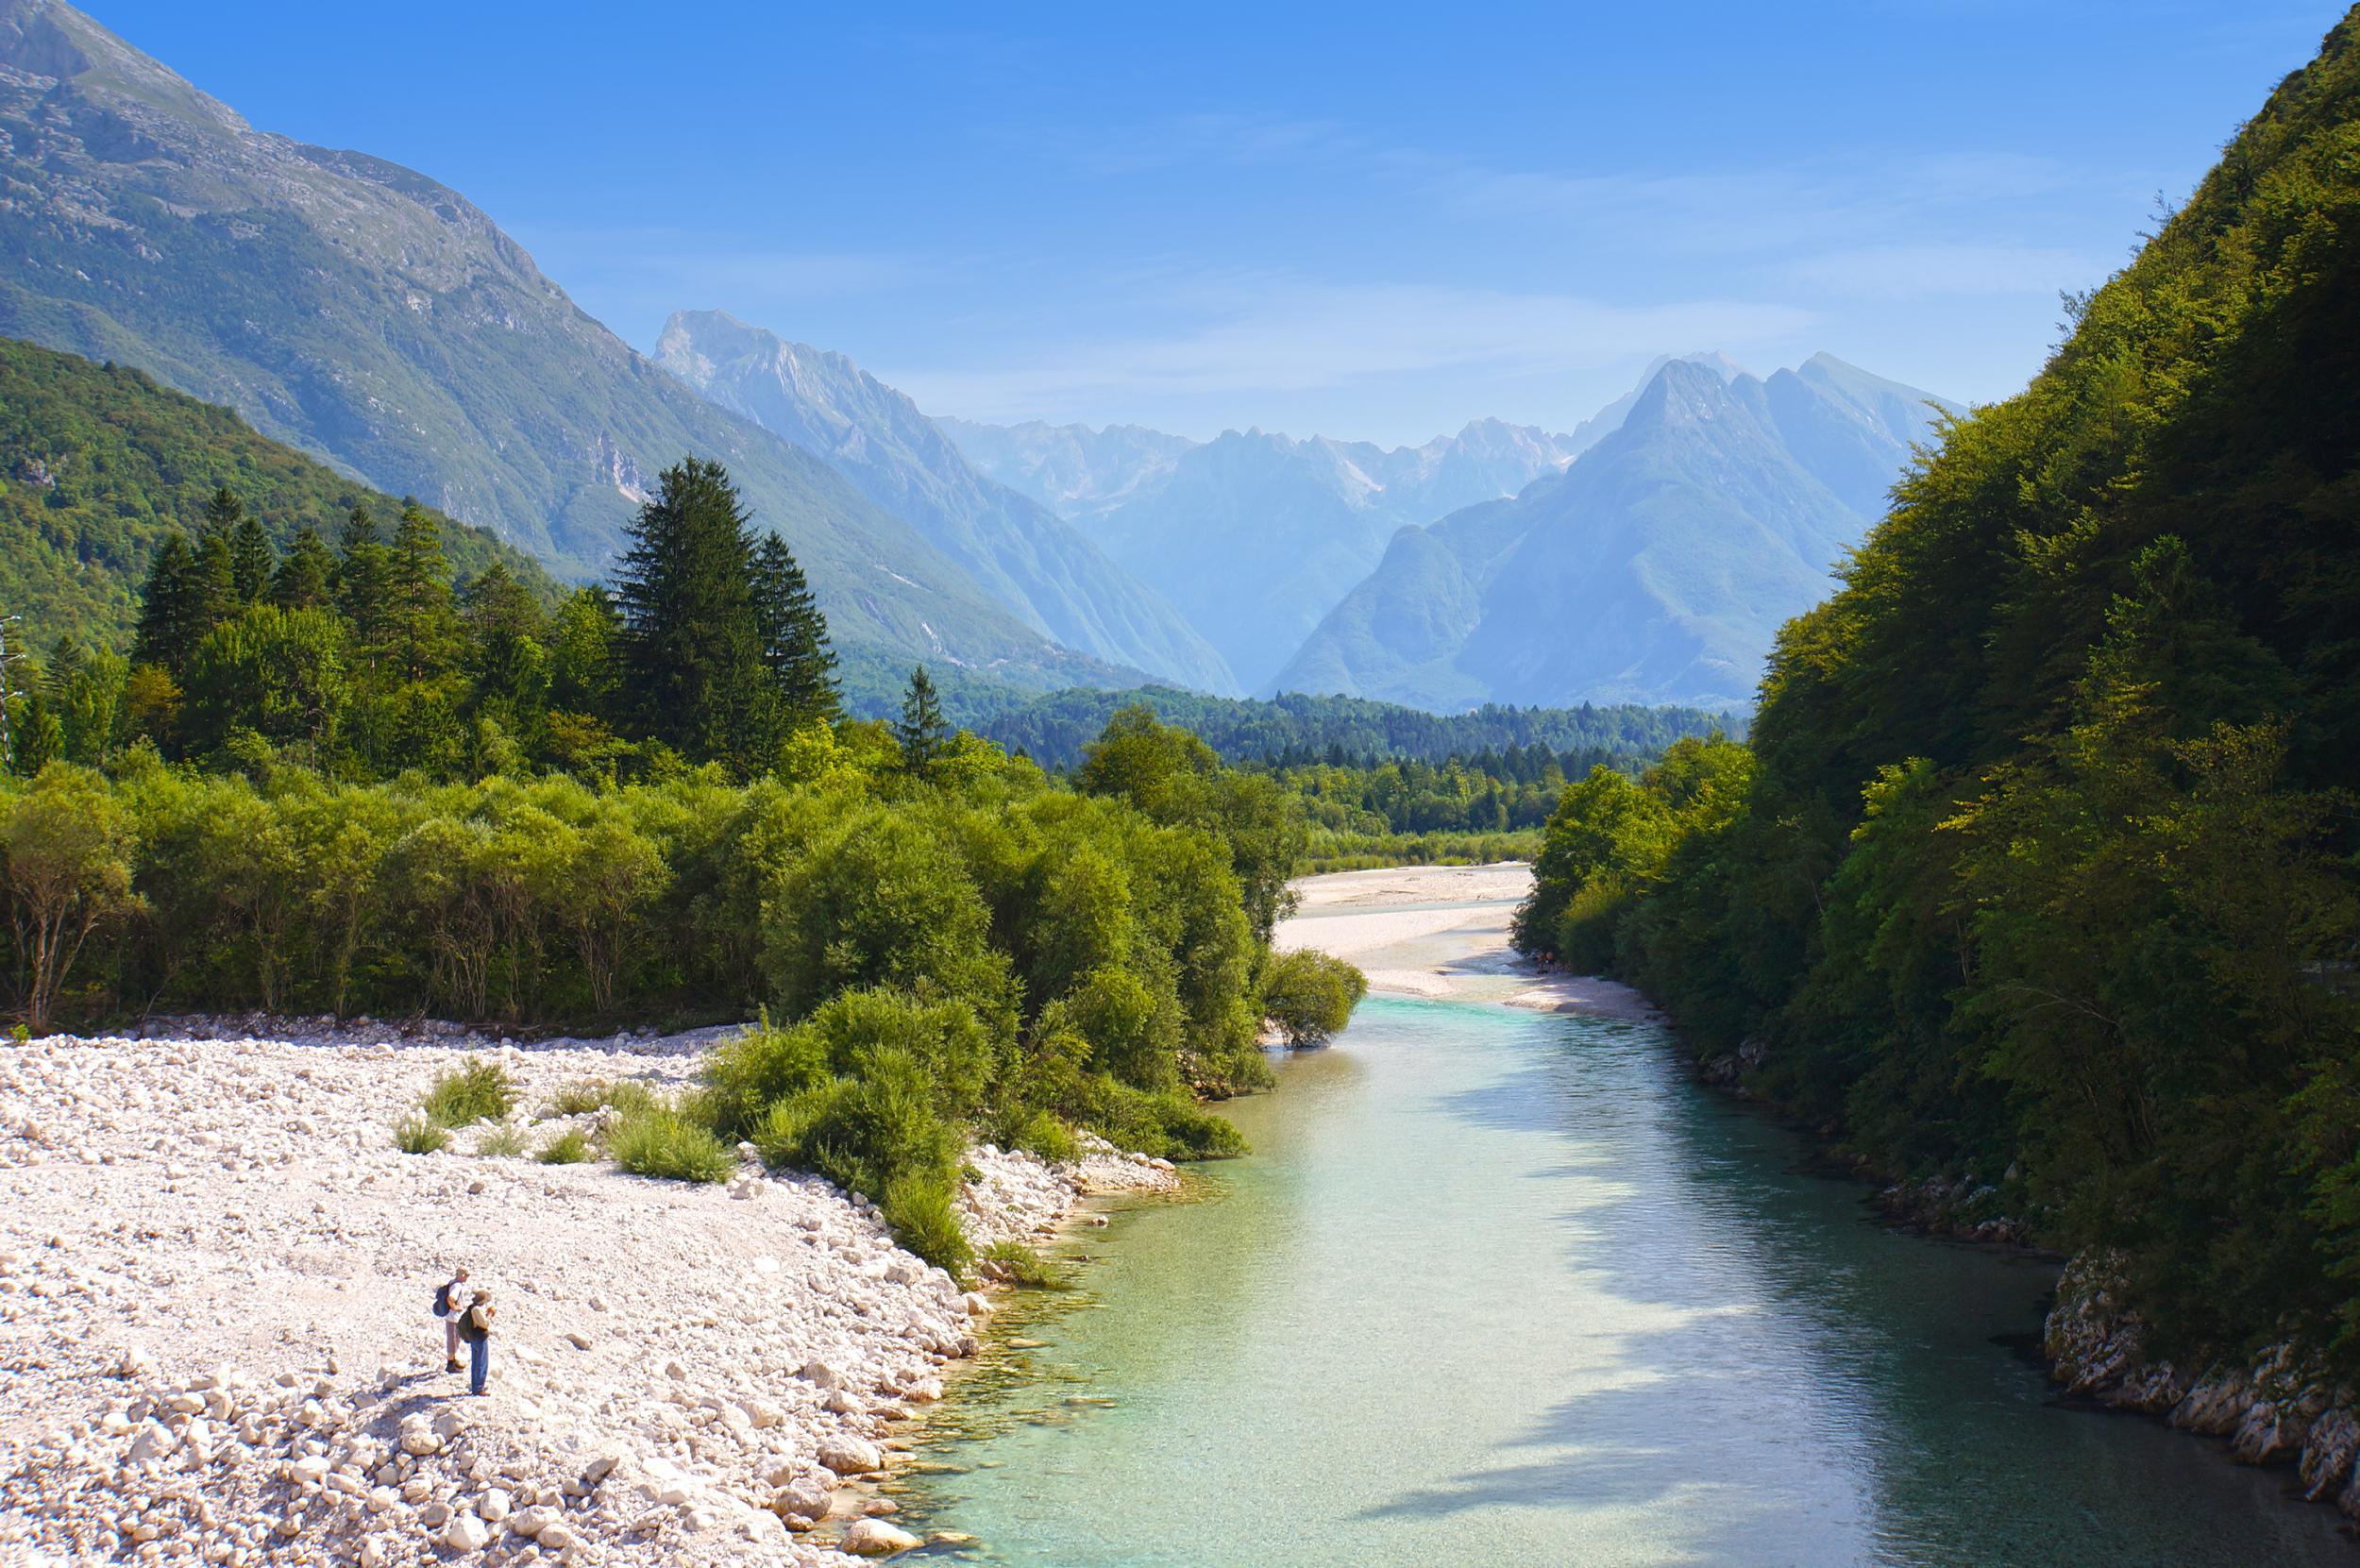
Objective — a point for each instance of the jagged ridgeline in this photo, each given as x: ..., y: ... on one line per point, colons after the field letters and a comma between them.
x: 99, y: 466
x: 2041, y: 867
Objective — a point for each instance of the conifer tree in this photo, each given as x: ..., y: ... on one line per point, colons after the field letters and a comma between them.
x: 306, y: 579
x: 250, y: 562
x: 795, y: 635
x: 213, y: 582
x: 168, y: 629
x: 422, y: 622
x: 362, y: 567
x: 922, y: 730
x: 694, y: 671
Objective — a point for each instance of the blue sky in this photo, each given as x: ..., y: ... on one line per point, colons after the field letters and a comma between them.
x: 1365, y: 221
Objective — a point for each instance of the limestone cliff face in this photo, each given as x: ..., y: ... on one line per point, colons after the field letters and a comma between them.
x: 2279, y: 1408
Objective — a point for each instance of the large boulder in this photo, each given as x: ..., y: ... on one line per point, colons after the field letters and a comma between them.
x: 875, y: 1537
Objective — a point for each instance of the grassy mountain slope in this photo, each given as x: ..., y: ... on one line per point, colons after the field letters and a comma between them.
x: 99, y: 463
x: 1656, y: 568
x: 363, y: 312
x: 1019, y: 551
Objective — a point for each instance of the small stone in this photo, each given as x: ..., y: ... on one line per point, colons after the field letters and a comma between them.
x: 875, y: 1537
x: 465, y: 1533
x: 850, y: 1455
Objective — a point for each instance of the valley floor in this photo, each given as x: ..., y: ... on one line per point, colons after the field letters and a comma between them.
x: 215, y: 1340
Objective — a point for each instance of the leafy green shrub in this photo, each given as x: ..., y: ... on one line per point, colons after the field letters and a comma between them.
x: 415, y: 1135
x: 1043, y: 1135
x: 570, y: 1147
x: 864, y: 1131
x: 919, y: 1208
x: 1310, y: 996
x: 504, y: 1141
x: 761, y: 1067
x: 1170, y: 1125
x: 480, y: 1091
x: 664, y: 1142
x: 625, y: 1095
x: 1019, y: 1264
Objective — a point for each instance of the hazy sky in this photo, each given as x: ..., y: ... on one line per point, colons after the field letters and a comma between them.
x: 1365, y: 221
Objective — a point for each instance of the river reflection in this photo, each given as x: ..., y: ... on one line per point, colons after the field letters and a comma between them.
x: 1506, y: 1287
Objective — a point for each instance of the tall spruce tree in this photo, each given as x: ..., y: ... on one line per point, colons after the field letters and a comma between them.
x: 921, y: 732
x: 168, y: 626
x: 306, y: 579
x: 422, y: 618
x: 362, y: 570
x: 251, y: 561
x: 213, y: 580
x: 695, y: 674
x: 794, y: 635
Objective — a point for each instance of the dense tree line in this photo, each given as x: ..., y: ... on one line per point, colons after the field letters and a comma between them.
x: 1295, y: 730
x: 2040, y: 866
x: 364, y: 657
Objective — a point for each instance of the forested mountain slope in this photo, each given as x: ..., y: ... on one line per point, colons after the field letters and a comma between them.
x: 98, y: 465
x: 365, y: 314
x: 2041, y: 868
x: 1655, y: 569
x: 1019, y: 551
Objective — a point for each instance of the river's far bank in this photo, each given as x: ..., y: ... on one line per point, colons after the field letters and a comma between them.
x: 216, y: 1346
x: 1441, y: 932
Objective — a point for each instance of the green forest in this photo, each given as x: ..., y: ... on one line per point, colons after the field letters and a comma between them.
x: 329, y: 779
x: 2039, y: 868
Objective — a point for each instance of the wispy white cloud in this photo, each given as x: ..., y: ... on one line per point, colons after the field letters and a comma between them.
x: 1250, y: 338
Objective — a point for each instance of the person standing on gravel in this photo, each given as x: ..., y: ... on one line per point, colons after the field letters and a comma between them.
x: 475, y: 1326
x: 450, y: 1303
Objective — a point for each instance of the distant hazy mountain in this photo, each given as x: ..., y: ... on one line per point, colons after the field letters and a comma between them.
x: 1254, y: 536
x: 1069, y: 468
x: 1018, y: 551
x: 362, y: 312
x: 1656, y: 568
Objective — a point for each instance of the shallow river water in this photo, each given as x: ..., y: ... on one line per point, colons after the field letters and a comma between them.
x: 1501, y: 1287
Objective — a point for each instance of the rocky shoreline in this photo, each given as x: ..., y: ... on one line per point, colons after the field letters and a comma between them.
x: 2281, y: 1408
x: 216, y: 1345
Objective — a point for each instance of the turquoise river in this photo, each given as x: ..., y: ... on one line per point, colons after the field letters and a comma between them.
x: 1507, y: 1287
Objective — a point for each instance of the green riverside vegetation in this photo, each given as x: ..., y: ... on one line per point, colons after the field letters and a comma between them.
x: 330, y: 779
x: 2040, y: 866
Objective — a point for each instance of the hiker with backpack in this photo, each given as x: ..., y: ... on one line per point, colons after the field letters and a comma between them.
x: 450, y: 1302
x: 475, y: 1326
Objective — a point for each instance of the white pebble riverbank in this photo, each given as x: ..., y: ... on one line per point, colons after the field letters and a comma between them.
x: 215, y: 1346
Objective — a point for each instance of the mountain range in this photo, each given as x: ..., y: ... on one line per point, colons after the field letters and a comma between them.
x: 365, y: 314
x: 1656, y: 568
x: 374, y: 319
x: 1256, y: 535
x: 1017, y: 549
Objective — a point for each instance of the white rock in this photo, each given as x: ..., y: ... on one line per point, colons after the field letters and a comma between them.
x: 875, y: 1537
x: 465, y: 1533
x: 851, y: 1454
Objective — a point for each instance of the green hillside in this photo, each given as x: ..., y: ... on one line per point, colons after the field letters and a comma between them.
x: 98, y: 464
x: 2041, y: 871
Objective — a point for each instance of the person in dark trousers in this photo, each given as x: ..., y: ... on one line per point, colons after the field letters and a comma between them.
x: 475, y: 1326
x: 451, y: 1300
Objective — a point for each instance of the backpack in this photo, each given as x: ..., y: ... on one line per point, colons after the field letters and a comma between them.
x: 471, y: 1330
x: 442, y: 1300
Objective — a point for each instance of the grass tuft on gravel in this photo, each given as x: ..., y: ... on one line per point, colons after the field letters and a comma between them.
x: 480, y: 1091
x: 568, y: 1148
x: 664, y: 1142
x: 415, y: 1135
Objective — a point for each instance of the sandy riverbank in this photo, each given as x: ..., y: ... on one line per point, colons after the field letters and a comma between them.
x: 1441, y: 932
x: 215, y: 1274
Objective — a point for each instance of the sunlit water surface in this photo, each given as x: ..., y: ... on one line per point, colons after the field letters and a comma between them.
x: 1505, y: 1288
